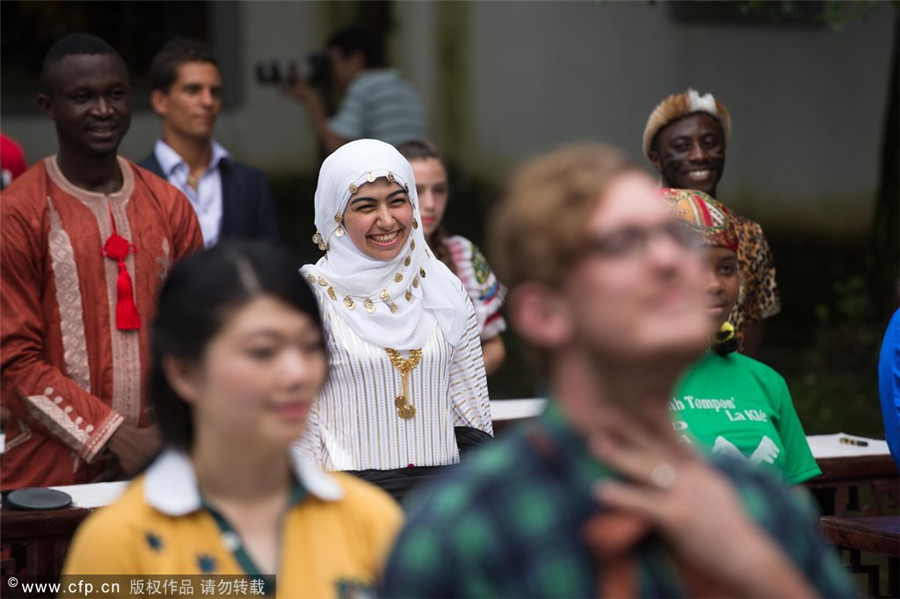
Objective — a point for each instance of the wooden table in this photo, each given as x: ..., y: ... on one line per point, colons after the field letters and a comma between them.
x: 34, y: 543
x: 873, y: 534
x: 878, y: 534
x: 858, y: 489
x: 864, y: 484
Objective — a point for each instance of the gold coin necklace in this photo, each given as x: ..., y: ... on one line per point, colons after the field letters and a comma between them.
x: 405, y: 410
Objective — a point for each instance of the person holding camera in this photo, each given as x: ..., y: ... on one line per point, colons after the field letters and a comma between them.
x: 231, y: 199
x: 377, y: 102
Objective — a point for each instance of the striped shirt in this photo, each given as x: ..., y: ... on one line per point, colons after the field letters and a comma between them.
x: 354, y: 424
x: 480, y: 282
x: 380, y: 105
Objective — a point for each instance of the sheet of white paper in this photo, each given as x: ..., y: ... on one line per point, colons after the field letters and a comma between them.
x: 514, y: 409
x: 830, y: 446
x: 94, y: 495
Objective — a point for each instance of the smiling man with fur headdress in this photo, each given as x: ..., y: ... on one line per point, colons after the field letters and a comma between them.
x: 685, y: 139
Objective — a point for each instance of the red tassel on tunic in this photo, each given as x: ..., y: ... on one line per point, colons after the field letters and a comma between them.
x: 117, y: 248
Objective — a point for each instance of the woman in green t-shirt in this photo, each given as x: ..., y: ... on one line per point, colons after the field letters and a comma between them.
x: 726, y: 401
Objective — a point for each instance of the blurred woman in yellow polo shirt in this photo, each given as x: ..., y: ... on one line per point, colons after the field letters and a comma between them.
x: 239, y: 356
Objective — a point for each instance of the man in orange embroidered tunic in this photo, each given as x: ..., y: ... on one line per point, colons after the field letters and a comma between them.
x: 87, y: 237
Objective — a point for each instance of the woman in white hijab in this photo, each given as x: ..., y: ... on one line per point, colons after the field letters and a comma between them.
x: 407, y: 375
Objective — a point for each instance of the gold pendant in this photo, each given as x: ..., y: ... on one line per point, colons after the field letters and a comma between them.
x: 405, y: 366
x: 407, y: 412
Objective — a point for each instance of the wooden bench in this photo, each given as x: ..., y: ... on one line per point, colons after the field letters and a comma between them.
x: 872, y: 534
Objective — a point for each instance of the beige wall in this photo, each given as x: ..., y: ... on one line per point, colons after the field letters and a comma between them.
x: 505, y: 80
x: 807, y: 105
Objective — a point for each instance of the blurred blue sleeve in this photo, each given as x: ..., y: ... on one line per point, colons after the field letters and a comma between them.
x: 889, y: 385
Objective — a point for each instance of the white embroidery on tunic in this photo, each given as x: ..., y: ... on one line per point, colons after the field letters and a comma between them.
x: 101, y: 436
x: 126, y: 367
x: 24, y: 435
x: 125, y: 344
x: 57, y: 419
x: 68, y: 299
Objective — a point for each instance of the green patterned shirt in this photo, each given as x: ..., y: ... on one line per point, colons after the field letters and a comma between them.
x: 507, y: 524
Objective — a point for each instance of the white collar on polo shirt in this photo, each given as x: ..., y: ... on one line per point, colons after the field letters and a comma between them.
x: 170, y: 483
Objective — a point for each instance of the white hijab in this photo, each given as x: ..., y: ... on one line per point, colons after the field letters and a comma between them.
x: 393, y: 303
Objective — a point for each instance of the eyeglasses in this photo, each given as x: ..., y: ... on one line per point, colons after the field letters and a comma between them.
x: 633, y: 241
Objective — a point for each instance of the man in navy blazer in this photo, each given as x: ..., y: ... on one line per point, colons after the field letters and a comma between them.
x: 230, y: 198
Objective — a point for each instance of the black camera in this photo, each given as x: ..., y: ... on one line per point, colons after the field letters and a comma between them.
x: 270, y: 73
x: 318, y: 73
x: 319, y: 70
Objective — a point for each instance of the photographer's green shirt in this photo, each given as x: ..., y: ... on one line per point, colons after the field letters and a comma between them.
x: 736, y: 405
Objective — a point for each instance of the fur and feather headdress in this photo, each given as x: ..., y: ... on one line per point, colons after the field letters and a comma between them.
x: 678, y: 106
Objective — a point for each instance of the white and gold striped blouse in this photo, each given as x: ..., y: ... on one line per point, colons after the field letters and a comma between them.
x: 356, y: 424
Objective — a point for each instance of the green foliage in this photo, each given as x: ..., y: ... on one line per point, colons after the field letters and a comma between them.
x: 772, y: 10
x: 835, y: 13
x: 838, y: 390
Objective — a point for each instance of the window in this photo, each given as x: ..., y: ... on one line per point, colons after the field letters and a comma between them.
x: 781, y: 13
x: 136, y: 29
